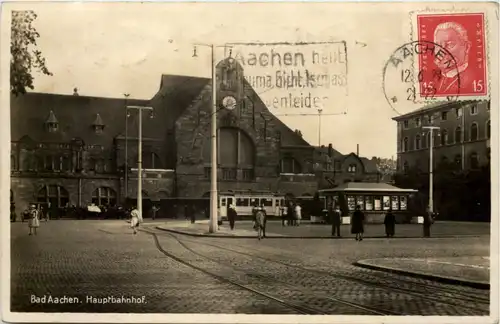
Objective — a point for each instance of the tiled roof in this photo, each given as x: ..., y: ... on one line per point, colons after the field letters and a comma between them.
x: 368, y: 186
x: 433, y: 107
x: 75, y: 115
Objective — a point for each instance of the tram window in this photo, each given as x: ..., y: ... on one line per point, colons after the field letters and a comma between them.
x: 242, y: 202
x: 229, y: 201
x: 351, y: 202
x: 266, y: 202
x: 223, y: 202
x: 395, y: 202
x: 403, y: 202
x: 387, y: 202
x: 377, y: 202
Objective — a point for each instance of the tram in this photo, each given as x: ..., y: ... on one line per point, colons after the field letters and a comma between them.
x: 245, y: 201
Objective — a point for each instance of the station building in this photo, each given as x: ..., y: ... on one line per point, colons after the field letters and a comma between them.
x: 71, y: 149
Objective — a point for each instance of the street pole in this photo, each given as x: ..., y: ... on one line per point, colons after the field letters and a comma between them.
x: 213, y: 226
x: 319, y: 126
x: 431, y: 167
x: 139, y: 157
x: 126, y: 148
x: 213, y: 175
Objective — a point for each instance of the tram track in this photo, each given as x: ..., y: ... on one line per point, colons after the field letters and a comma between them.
x: 463, y: 298
x: 295, y: 306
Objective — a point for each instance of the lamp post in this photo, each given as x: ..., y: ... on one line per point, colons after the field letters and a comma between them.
x: 126, y: 146
x: 319, y: 126
x: 139, y: 157
x: 431, y: 166
x: 212, y: 227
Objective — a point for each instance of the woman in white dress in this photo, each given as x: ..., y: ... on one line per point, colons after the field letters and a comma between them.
x: 135, y: 219
x: 34, y: 221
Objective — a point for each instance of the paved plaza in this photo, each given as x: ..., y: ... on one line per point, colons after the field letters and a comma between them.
x: 100, y: 266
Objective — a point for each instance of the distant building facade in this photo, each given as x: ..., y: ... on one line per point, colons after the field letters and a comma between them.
x: 72, y: 149
x: 462, y: 140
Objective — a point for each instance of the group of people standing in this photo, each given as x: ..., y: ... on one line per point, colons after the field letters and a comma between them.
x: 291, y: 215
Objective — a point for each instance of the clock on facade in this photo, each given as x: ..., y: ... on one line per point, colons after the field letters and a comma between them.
x: 229, y: 102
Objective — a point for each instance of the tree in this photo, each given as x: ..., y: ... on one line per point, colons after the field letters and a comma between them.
x: 24, y: 55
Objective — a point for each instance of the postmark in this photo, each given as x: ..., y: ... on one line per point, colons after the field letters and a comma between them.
x: 464, y: 36
x: 406, y: 83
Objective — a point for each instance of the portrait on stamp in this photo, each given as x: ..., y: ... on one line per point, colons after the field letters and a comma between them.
x: 462, y: 65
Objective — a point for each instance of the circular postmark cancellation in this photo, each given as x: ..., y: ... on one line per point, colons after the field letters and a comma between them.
x: 418, y: 73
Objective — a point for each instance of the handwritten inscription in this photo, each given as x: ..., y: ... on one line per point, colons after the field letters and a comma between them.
x: 300, y: 77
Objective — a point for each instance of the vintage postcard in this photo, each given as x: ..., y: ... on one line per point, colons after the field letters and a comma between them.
x: 284, y: 162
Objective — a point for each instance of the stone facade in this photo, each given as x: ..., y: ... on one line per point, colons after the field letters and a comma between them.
x: 78, y: 148
x: 462, y: 138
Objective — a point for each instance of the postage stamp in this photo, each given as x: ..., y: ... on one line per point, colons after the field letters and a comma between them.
x: 459, y: 67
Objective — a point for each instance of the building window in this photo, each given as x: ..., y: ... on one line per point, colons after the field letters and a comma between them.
x: 417, y: 121
x: 429, y: 119
x: 444, y: 137
x: 229, y: 173
x: 405, y: 124
x: 488, y: 129
x: 458, y: 134
x: 66, y: 163
x: 406, y: 167
x: 405, y: 144
x: 474, y: 160
x: 459, y: 111
x: 473, y: 110
x: 54, y: 195
x: 444, y: 115
x: 290, y: 165
x: 458, y: 159
x: 417, y: 142
x: 247, y: 174
x: 337, y: 165
x: 207, y: 171
x: 151, y: 160
x: 473, y: 132
x: 104, y: 196
x: 351, y: 168
x: 92, y: 164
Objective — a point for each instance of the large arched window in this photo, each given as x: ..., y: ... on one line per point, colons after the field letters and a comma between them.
x: 151, y: 160
x: 488, y: 129
x: 104, y: 196
x: 458, y: 134
x: 290, y: 165
x: 236, y: 151
x: 405, y: 144
x: 417, y: 142
x: 474, y: 160
x: 56, y: 195
x: 473, y: 132
x: 444, y: 137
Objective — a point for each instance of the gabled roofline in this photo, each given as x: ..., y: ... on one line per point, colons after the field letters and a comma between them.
x: 433, y: 108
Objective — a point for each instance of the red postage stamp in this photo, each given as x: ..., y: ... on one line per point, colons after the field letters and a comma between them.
x: 458, y: 66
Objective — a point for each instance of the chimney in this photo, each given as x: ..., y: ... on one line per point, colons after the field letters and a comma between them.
x: 357, y: 149
x: 330, y: 150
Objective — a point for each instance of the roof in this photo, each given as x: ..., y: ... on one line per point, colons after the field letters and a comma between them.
x: 75, y: 115
x: 433, y: 107
x: 367, y: 186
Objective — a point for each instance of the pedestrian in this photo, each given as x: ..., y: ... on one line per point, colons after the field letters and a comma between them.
x: 336, y: 219
x: 298, y: 214
x: 231, y: 215
x: 34, y: 219
x: 427, y: 222
x: 154, y: 210
x: 283, y: 215
x: 135, y: 219
x: 390, y: 223
x: 357, y: 223
x: 290, y: 214
x: 12, y: 212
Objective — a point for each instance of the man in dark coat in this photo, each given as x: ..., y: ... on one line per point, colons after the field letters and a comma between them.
x: 290, y: 214
x: 231, y: 216
x: 427, y: 222
x: 357, y: 223
x: 336, y: 218
x: 390, y: 223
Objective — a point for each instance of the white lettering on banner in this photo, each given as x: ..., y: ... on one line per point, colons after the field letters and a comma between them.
x: 297, y: 78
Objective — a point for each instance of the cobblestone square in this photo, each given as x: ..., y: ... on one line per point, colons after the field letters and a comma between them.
x: 171, y: 273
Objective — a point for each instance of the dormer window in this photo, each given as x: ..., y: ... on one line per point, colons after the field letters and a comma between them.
x: 352, y: 168
x: 98, y: 124
x: 51, y: 124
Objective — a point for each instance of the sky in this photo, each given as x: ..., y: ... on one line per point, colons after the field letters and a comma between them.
x: 116, y: 48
